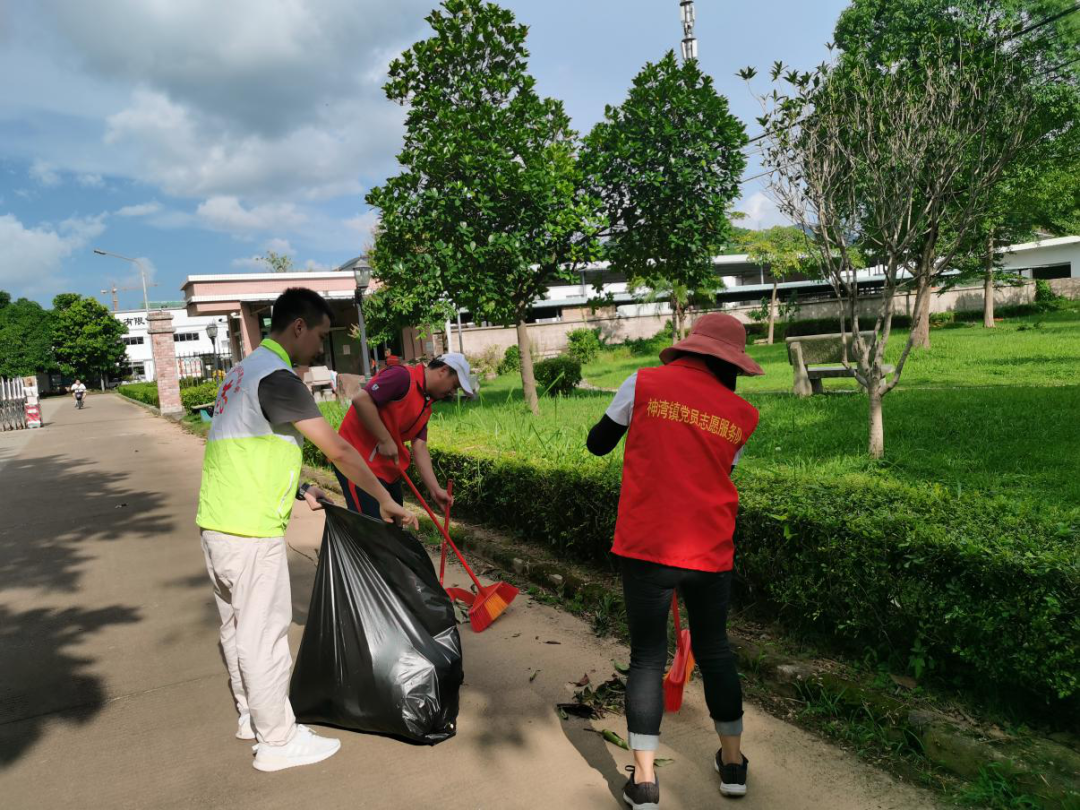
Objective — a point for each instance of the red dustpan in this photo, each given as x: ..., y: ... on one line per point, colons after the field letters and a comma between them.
x: 490, y: 600
x: 681, y: 666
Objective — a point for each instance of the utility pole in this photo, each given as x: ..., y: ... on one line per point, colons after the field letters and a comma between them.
x: 689, y: 41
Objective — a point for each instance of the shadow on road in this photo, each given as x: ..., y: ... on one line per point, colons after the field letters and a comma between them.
x: 57, y: 508
x: 44, y: 680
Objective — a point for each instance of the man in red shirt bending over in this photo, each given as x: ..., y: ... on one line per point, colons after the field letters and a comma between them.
x: 392, y: 409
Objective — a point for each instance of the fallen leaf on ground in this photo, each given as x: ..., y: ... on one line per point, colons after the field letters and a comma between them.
x: 582, y: 710
x: 533, y: 676
x: 553, y: 642
x: 660, y: 763
x: 583, y: 682
x: 623, y: 668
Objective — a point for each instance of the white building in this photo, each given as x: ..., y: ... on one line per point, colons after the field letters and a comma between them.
x: 192, y: 342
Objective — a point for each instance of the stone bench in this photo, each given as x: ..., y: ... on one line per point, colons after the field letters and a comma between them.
x: 818, y: 357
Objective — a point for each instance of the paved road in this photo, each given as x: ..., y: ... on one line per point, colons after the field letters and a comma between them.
x: 112, y: 693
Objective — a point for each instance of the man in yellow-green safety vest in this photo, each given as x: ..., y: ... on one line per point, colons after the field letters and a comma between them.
x: 250, y: 481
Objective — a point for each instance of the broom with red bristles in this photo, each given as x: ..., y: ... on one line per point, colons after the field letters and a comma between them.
x: 490, y: 600
x: 681, y: 665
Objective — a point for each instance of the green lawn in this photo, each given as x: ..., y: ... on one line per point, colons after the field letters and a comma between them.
x: 990, y: 410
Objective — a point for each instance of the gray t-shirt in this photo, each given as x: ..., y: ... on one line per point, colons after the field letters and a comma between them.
x: 284, y: 398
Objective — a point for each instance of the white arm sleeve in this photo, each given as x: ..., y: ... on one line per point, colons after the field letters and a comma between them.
x: 622, y: 406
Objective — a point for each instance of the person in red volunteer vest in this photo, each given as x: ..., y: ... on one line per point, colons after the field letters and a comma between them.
x: 686, y: 430
x: 393, y: 409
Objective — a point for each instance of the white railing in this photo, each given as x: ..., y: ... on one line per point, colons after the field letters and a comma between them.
x: 12, y: 404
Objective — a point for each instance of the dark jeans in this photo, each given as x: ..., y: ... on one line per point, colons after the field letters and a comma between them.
x: 648, y: 588
x: 364, y: 503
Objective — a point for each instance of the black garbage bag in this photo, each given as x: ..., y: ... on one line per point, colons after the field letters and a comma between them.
x: 381, y: 651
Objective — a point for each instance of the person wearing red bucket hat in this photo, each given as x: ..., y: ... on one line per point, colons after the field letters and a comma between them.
x: 686, y: 430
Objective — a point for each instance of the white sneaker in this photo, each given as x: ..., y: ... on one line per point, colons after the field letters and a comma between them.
x: 244, y: 731
x: 306, y: 748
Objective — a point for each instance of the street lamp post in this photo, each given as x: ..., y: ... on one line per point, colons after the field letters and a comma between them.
x: 362, y: 274
x: 142, y: 273
x: 212, y: 333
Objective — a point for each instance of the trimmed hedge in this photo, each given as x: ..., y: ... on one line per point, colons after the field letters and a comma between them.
x: 979, y: 592
x: 189, y: 397
x: 141, y: 392
x: 198, y: 394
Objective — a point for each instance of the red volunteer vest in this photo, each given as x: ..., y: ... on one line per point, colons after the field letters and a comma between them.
x: 678, y: 503
x: 404, y: 420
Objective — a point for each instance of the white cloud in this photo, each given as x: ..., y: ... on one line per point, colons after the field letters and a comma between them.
x: 258, y: 99
x: 229, y: 214
x: 316, y: 267
x: 31, y: 259
x: 140, y: 210
x: 250, y: 263
x: 44, y: 173
x: 761, y: 212
x: 90, y: 180
x: 363, y: 224
x: 280, y: 246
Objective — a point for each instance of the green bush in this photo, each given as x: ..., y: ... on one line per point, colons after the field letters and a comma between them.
x: 198, y: 395
x: 558, y: 375
x: 145, y: 392
x: 583, y: 344
x: 650, y: 347
x: 980, y: 592
x: 1044, y: 294
x: 511, y: 360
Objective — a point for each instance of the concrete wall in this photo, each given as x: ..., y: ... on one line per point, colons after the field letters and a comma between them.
x: 550, y: 338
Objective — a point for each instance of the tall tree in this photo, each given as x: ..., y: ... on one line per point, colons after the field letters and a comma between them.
x: 488, y: 209
x: 25, y: 337
x: 86, y: 337
x: 891, y: 160
x: 1040, y: 34
x: 666, y: 163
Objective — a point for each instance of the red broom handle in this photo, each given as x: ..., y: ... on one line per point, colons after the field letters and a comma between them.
x: 445, y: 534
x: 675, y: 612
x: 442, y: 557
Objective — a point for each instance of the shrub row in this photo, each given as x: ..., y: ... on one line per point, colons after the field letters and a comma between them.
x: 189, y: 397
x: 979, y: 592
x: 142, y: 392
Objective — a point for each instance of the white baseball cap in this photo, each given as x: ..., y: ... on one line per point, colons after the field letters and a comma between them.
x: 459, y: 364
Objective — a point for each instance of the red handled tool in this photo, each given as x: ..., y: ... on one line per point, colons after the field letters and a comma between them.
x: 459, y: 594
x: 681, y: 666
x: 491, y: 600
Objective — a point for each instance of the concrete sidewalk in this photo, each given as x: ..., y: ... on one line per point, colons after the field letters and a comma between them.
x: 113, y: 694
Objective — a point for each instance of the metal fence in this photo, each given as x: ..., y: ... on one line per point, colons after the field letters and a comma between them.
x: 12, y: 404
x: 199, y: 368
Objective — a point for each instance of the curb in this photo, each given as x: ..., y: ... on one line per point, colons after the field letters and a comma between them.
x: 146, y: 406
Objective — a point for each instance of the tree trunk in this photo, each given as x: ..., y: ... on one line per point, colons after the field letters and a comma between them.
x: 772, y: 311
x: 988, y: 286
x: 920, y: 326
x: 676, y: 321
x: 528, y: 379
x: 877, y: 430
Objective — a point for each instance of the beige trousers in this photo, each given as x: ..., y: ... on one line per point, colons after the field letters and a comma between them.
x: 250, y: 576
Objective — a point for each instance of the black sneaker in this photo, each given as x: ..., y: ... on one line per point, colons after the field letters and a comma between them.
x: 641, y: 797
x: 732, y: 777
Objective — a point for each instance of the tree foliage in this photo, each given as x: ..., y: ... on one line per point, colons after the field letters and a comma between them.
x: 666, y: 164
x: 86, y: 336
x: 278, y: 262
x: 1039, y: 189
x: 893, y: 161
x: 786, y: 251
x: 25, y: 337
x: 488, y: 208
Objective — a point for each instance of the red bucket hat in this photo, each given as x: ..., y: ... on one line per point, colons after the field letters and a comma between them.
x: 716, y: 335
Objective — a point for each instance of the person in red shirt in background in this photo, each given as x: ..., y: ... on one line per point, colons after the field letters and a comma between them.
x: 392, y: 409
x: 687, y: 429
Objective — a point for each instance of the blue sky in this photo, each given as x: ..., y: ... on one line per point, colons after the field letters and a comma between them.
x: 201, y: 134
